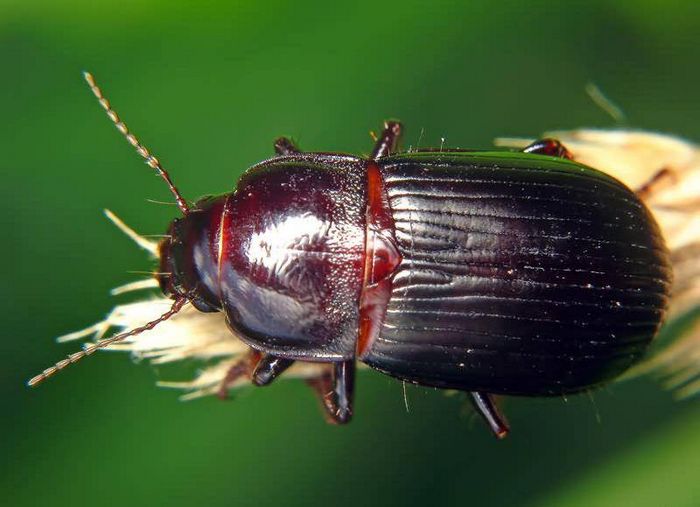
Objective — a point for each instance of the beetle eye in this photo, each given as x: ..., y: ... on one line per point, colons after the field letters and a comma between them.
x: 165, y: 271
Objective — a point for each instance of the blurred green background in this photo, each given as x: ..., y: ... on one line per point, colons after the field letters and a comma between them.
x: 208, y: 87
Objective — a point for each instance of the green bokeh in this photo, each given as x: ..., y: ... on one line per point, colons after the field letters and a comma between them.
x: 207, y: 87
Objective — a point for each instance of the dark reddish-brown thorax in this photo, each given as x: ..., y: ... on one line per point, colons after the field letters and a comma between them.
x: 292, y: 256
x: 300, y: 270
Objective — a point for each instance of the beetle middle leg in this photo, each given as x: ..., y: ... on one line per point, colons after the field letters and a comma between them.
x: 389, y: 140
x: 549, y: 146
x: 335, y: 389
x: 285, y: 146
x: 485, y: 405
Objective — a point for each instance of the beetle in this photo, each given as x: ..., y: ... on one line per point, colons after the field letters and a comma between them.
x: 494, y: 273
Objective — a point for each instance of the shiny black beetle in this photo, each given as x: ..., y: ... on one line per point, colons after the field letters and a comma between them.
x: 489, y: 272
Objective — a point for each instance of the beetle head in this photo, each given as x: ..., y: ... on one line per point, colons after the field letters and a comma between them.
x: 189, y: 253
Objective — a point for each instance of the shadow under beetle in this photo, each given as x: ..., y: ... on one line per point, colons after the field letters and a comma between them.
x: 513, y: 273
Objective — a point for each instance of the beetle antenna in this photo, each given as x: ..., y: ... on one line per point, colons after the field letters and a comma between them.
x: 89, y: 349
x: 151, y: 160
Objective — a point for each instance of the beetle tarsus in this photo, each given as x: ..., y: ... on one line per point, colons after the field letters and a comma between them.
x: 550, y: 147
x: 389, y: 140
x: 485, y: 405
x: 269, y: 368
x: 335, y: 390
x: 285, y: 146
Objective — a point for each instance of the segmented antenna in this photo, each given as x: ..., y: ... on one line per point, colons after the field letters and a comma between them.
x: 89, y: 349
x: 151, y: 160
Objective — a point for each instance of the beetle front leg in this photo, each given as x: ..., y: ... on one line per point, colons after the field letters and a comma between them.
x: 285, y: 146
x: 550, y: 147
x: 335, y: 390
x: 389, y: 140
x: 269, y: 368
x: 486, y: 407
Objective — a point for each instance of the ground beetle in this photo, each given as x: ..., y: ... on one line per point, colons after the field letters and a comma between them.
x: 515, y: 273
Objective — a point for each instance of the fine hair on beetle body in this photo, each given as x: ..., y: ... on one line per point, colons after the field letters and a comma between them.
x: 517, y: 273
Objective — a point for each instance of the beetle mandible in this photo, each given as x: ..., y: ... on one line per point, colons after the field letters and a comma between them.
x: 495, y: 273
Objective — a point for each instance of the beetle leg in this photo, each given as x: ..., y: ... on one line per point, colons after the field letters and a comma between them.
x: 268, y: 368
x: 323, y: 387
x: 285, y: 146
x: 486, y: 407
x: 389, y: 140
x: 241, y: 368
x: 662, y: 179
x: 343, y: 389
x: 335, y: 390
x: 549, y: 146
